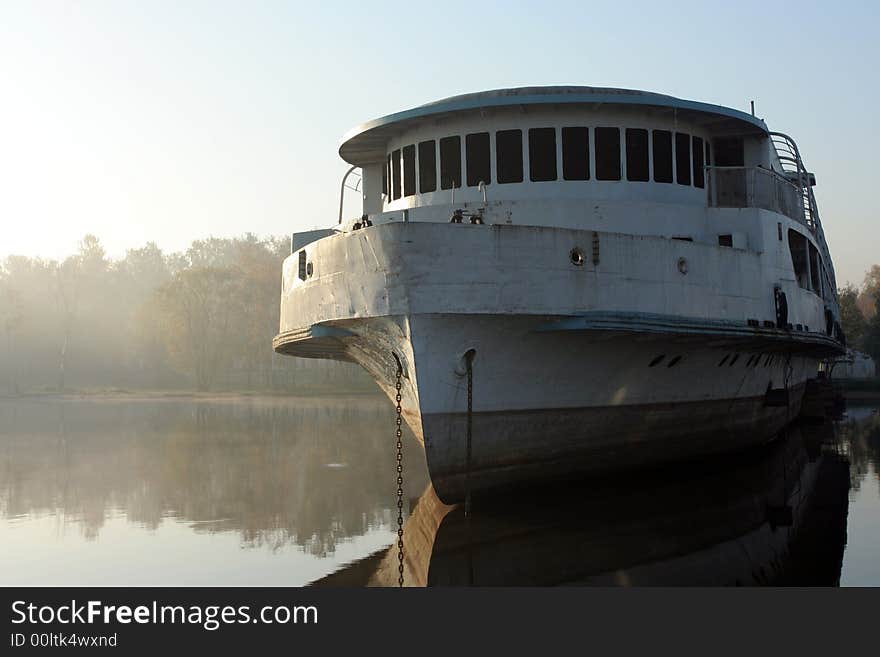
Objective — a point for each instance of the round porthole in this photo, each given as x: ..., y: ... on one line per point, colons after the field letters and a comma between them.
x: 309, y: 270
x: 683, y: 265
x: 577, y: 257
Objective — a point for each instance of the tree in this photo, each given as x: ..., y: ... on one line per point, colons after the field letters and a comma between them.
x: 871, y: 341
x: 66, y: 288
x: 870, y: 289
x: 11, y: 318
x: 851, y: 318
x: 200, y: 307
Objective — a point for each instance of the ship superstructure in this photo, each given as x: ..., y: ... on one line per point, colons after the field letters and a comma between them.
x: 623, y: 277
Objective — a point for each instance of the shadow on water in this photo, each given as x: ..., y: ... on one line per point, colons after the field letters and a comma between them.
x: 771, y: 516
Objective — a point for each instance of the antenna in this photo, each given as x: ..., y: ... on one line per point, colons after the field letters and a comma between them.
x: 753, y: 107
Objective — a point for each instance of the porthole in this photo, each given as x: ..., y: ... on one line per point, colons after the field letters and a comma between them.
x: 577, y: 257
x: 683, y: 266
x: 309, y: 270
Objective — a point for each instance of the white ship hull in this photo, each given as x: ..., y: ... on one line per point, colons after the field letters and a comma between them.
x: 567, y: 376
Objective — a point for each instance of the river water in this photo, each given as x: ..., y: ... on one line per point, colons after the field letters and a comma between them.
x: 294, y: 491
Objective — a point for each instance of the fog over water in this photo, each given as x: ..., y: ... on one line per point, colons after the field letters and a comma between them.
x: 200, y: 319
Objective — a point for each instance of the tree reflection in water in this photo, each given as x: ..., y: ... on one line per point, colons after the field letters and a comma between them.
x: 306, y: 471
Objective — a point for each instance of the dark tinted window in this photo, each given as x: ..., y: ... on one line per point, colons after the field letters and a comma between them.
x: 729, y: 152
x: 509, y: 156
x: 576, y: 153
x: 682, y: 158
x: 395, y: 174
x: 409, y: 170
x: 386, y: 180
x: 607, y: 153
x: 450, y: 162
x: 477, y: 153
x: 698, y: 162
x: 662, y: 156
x: 427, y: 166
x: 542, y: 154
x: 708, y: 155
x: 637, y: 154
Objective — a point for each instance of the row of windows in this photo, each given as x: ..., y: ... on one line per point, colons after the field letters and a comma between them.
x: 677, y: 156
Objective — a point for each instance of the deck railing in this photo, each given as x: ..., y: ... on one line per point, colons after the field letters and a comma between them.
x: 754, y: 187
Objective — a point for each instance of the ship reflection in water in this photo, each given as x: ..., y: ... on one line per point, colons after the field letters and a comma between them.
x: 774, y: 516
x: 291, y: 492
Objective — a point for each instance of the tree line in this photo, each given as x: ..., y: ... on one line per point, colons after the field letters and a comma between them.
x: 859, y: 314
x: 203, y: 318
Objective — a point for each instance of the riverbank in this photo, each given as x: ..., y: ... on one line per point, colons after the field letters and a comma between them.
x: 120, y: 394
x: 859, y: 389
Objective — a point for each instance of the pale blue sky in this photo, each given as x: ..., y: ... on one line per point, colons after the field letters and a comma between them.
x: 169, y: 121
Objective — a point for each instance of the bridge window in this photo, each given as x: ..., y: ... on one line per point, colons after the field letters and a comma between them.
x: 450, y: 162
x: 682, y: 158
x: 815, y: 274
x: 395, y: 174
x: 797, y: 245
x: 509, y: 156
x: 478, y: 159
x: 542, y: 154
x: 608, y: 153
x: 409, y: 170
x: 729, y: 152
x: 427, y: 166
x: 662, y: 143
x: 386, y: 184
x: 699, y: 180
x: 576, y: 153
x: 637, y: 154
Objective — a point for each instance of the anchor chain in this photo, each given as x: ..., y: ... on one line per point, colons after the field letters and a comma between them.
x: 399, y: 434
x: 470, y: 431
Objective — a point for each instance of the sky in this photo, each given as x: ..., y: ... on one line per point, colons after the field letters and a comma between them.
x: 171, y: 121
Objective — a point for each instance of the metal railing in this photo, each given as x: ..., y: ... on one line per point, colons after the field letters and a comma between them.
x: 793, y: 165
x: 754, y: 187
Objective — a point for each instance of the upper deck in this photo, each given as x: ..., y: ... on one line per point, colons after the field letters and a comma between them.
x: 584, y: 157
x: 567, y: 143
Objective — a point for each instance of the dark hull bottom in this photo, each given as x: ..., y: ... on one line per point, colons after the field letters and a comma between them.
x: 523, y: 447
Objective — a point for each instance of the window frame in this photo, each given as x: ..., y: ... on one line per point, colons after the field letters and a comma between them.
x: 504, y: 165
x: 427, y: 151
x: 539, y: 169
x: 474, y: 148
x: 598, y: 142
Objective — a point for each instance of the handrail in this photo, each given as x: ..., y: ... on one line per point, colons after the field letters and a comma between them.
x: 787, y: 152
x: 753, y: 187
x: 342, y: 188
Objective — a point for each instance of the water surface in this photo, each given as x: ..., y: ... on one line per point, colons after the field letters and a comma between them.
x: 291, y: 491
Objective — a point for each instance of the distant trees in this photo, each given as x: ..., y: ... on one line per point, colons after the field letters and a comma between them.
x: 204, y: 318
x: 201, y: 308
x: 11, y: 319
x: 859, y: 316
x: 851, y: 317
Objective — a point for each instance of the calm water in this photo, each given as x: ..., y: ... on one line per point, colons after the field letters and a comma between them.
x: 295, y: 491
